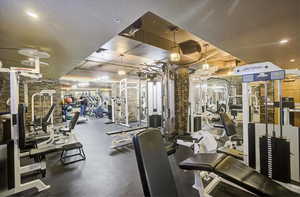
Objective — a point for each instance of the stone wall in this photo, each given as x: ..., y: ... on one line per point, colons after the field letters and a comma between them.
x: 181, y: 100
x: 4, y: 91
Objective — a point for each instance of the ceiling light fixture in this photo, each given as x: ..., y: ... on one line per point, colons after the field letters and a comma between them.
x: 283, y: 41
x: 84, y: 84
x: 175, y: 55
x: 292, y: 60
x: 103, y: 78
x: 121, y: 72
x: 32, y: 14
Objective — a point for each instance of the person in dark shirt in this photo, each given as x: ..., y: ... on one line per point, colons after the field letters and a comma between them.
x: 83, y: 105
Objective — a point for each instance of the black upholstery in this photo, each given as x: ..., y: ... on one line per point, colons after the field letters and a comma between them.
x: 232, y: 152
x: 237, y: 172
x: 72, y: 123
x: 74, y: 120
x: 23, y: 143
x: 46, y: 118
x: 48, y: 115
x: 65, y: 158
x: 205, y: 162
x: 153, y: 164
x: 22, y: 127
x: 228, y: 124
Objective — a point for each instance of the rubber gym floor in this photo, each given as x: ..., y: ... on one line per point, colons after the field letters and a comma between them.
x: 105, y: 173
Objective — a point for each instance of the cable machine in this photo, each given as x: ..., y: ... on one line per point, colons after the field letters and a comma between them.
x: 15, y: 170
x: 271, y: 149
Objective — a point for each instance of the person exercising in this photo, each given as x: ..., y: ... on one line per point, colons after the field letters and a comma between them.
x: 83, y: 105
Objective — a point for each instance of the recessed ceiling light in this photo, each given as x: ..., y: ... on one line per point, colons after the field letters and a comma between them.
x: 32, y: 14
x: 283, y: 41
x: 84, y: 84
x: 102, y: 78
x: 292, y: 60
x: 121, y: 72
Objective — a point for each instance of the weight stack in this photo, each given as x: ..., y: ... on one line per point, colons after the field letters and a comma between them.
x: 155, y: 121
x: 197, y: 124
x: 275, y: 158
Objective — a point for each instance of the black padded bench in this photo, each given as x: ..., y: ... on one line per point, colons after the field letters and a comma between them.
x: 237, y: 172
x: 69, y: 147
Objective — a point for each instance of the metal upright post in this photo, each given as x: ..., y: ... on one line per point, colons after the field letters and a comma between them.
x: 14, y: 104
x: 126, y: 103
x: 280, y: 106
x: 266, y: 108
x: 140, y: 101
x: 163, y: 101
x: 245, y: 121
x: 147, y: 99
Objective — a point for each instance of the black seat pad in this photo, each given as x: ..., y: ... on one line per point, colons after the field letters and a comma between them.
x: 246, y: 177
x: 205, y: 162
x: 155, y: 171
x: 72, y: 146
x: 232, y: 152
x: 237, y: 172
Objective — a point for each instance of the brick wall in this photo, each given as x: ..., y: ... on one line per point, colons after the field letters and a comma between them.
x: 45, y: 105
x: 32, y: 88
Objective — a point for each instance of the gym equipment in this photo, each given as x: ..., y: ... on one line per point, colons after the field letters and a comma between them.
x: 206, y: 95
x: 236, y: 172
x: 260, y: 147
x: 16, y: 139
x: 13, y: 145
x: 208, y: 141
x: 153, y: 105
x: 70, y: 147
x: 157, y: 178
x: 42, y: 123
x: 42, y: 94
x: 64, y: 136
x: 123, y: 104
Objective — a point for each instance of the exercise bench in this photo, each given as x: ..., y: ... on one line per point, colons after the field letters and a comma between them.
x: 237, y: 179
x: 70, y: 147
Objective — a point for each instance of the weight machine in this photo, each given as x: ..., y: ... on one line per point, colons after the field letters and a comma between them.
x: 276, y: 153
x: 154, y: 90
x: 207, y: 96
x: 13, y: 150
x: 125, y: 103
x: 42, y: 94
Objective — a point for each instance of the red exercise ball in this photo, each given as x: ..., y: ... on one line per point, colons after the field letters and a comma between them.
x: 68, y: 100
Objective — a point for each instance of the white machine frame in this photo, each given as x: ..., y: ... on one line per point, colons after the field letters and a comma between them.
x: 49, y: 93
x: 18, y: 169
x: 291, y: 132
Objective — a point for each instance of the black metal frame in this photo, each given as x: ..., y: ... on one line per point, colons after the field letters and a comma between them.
x: 64, y: 155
